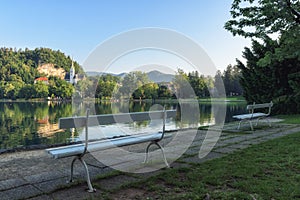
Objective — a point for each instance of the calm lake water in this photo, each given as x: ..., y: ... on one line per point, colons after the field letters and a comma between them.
x: 25, y: 125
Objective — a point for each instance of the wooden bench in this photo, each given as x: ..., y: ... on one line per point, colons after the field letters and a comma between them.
x: 79, y: 150
x: 255, y: 115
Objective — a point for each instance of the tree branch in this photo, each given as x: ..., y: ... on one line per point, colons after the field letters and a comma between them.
x: 293, y: 11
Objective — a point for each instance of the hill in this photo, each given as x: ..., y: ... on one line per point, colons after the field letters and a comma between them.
x: 155, y: 76
x: 24, y: 66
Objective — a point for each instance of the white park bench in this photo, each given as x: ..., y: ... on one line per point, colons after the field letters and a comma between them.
x: 252, y: 115
x: 79, y: 150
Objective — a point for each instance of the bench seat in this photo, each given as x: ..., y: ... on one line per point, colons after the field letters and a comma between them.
x: 77, y: 149
x: 249, y: 116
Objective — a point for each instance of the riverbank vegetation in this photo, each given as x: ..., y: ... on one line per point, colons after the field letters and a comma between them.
x: 137, y: 86
x: 19, y: 70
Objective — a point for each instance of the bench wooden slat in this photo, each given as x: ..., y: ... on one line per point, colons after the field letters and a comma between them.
x: 77, y: 149
x: 95, y: 120
x: 249, y: 116
x: 257, y: 106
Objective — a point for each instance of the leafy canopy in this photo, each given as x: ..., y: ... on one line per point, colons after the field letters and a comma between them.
x: 272, y: 71
x: 258, y: 18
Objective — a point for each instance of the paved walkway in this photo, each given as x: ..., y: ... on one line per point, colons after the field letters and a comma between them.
x: 36, y: 176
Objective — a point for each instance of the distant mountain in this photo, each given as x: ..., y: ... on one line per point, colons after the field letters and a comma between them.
x: 155, y: 76
x: 93, y: 73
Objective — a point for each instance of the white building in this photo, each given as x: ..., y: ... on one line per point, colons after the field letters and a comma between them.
x: 71, y: 76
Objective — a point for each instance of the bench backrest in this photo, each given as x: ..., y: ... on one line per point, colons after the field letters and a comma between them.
x: 254, y: 106
x: 95, y: 120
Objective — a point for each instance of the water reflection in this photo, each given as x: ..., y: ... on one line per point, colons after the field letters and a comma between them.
x: 27, y: 124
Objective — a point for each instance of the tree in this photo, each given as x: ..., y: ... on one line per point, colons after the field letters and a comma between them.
x: 60, y: 88
x: 27, y: 91
x: 182, y: 86
x: 218, y: 83
x: 260, y: 18
x: 146, y: 91
x: 163, y: 92
x: 272, y: 65
x: 41, y: 90
x: 106, y: 85
x: 231, y: 78
x: 266, y: 77
x: 87, y: 87
x: 133, y: 81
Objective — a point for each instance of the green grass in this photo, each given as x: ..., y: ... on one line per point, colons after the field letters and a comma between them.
x: 290, y: 119
x: 270, y: 170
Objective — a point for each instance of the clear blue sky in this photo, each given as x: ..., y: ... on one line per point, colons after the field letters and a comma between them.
x: 76, y: 27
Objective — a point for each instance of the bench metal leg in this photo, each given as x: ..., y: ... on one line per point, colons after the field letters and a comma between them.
x: 266, y: 118
x: 147, y: 151
x: 88, y: 180
x: 269, y: 122
x: 257, y: 121
x: 239, y: 126
x: 250, y: 122
x: 72, y: 169
x: 163, y: 154
x: 162, y: 150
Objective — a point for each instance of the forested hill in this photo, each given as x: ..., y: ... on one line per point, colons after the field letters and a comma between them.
x: 21, y: 65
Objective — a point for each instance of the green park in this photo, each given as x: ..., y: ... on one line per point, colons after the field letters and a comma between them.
x: 234, y: 134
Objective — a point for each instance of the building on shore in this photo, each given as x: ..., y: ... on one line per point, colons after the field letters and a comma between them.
x: 42, y: 79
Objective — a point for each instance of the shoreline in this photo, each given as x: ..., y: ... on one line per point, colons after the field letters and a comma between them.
x: 38, y: 100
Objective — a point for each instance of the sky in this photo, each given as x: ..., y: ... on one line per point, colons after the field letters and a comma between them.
x: 78, y: 27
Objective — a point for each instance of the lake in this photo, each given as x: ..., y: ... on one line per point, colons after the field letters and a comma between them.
x: 28, y: 125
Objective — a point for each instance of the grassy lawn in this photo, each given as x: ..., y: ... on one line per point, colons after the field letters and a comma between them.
x: 269, y: 170
x: 290, y: 119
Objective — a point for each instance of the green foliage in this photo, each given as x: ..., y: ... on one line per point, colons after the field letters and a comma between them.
x: 258, y: 18
x: 164, y: 92
x: 268, y: 76
x: 133, y: 81
x: 146, y: 91
x: 231, y: 78
x: 198, y: 84
x: 18, y: 69
x: 273, y: 66
x: 41, y: 90
x: 86, y: 87
x: 60, y: 88
x: 106, y: 85
x: 192, y: 84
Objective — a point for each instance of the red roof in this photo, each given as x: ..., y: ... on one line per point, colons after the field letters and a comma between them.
x: 42, y: 79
